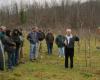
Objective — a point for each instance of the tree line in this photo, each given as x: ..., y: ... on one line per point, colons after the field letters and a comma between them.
x: 54, y: 14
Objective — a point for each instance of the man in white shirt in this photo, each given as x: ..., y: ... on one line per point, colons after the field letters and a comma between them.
x: 69, y: 47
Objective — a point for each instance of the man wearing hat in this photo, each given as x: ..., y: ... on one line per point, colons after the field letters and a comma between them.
x: 69, y: 47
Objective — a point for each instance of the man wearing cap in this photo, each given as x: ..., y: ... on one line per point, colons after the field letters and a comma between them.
x: 69, y: 47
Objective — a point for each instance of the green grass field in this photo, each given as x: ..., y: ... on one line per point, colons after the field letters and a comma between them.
x: 52, y: 67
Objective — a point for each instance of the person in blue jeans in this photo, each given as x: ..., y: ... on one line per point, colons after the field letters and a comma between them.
x: 49, y: 41
x: 9, y: 46
x: 17, y: 41
x: 11, y: 56
x: 60, y: 43
x: 49, y: 47
x: 33, y: 39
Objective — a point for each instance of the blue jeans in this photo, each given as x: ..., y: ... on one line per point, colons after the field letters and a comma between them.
x: 61, y: 51
x: 11, y: 59
x: 49, y: 47
x: 37, y: 50
x: 32, y: 51
x: 17, y: 56
x: 10, y: 64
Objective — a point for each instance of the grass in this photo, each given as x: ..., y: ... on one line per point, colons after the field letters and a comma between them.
x: 52, y: 67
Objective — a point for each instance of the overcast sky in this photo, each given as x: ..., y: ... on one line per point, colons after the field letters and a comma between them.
x: 9, y: 2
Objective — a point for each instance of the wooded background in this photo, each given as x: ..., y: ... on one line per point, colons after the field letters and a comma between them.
x: 52, y: 15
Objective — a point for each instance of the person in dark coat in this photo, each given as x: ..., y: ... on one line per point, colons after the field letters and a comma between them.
x: 49, y: 42
x: 9, y: 47
x: 60, y: 43
x: 69, y: 47
x: 41, y: 37
x: 17, y: 40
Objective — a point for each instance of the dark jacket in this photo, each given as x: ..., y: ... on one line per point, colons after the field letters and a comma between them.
x: 16, y: 38
x: 72, y: 42
x: 49, y: 38
x: 8, y: 44
x: 60, y: 40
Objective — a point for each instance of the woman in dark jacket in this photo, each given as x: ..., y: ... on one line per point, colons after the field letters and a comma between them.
x: 16, y: 39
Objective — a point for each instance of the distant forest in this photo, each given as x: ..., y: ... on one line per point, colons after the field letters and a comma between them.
x: 67, y: 14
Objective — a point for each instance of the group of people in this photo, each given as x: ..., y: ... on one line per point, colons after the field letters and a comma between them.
x: 12, y: 43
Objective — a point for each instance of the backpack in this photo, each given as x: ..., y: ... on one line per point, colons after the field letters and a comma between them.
x: 41, y: 36
x: 50, y: 37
